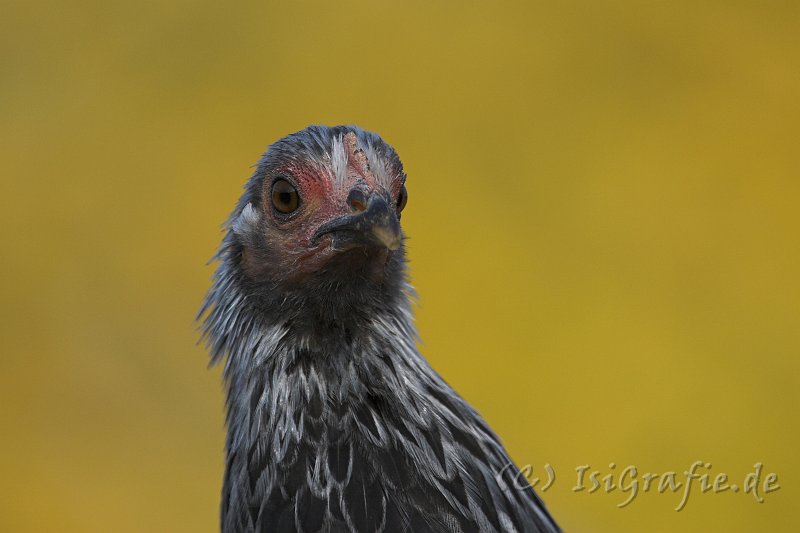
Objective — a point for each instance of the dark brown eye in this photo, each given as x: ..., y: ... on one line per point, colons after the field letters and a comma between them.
x: 402, y: 199
x: 284, y: 196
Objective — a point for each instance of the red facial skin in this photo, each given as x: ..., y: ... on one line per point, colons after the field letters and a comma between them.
x: 321, y: 200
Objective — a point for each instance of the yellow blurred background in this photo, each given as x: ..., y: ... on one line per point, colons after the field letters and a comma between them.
x: 603, y: 230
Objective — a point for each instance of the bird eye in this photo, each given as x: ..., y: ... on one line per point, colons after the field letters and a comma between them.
x: 284, y: 196
x: 402, y: 199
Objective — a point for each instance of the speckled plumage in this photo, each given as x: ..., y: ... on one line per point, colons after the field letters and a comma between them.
x: 335, y: 421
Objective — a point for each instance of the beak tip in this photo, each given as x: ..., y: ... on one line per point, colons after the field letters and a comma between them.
x: 387, y: 237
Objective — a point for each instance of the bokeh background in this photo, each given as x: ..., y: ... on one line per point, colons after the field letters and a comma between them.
x: 603, y: 224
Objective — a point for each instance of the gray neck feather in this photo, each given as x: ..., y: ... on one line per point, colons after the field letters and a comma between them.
x: 285, y: 353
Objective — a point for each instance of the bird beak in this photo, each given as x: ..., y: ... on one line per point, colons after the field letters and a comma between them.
x: 377, y: 225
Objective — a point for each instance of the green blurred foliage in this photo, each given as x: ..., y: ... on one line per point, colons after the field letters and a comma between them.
x: 603, y: 231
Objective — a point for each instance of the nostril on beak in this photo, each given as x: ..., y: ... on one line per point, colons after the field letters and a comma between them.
x: 357, y: 200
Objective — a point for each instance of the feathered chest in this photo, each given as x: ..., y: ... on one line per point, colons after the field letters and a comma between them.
x: 358, y: 449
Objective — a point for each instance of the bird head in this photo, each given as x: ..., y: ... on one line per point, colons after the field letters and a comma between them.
x: 323, y: 208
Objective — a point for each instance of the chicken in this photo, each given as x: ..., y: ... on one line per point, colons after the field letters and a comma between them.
x: 335, y: 421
